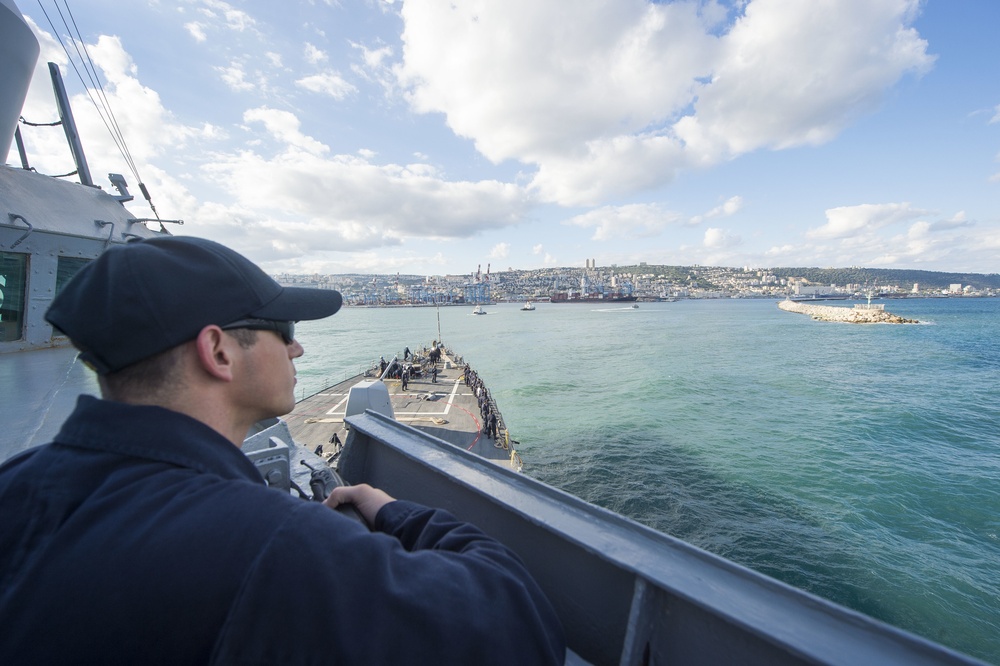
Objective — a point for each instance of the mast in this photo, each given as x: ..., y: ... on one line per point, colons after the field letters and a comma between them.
x: 439, y: 321
x: 69, y: 126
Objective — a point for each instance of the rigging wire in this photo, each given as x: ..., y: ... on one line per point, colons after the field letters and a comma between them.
x: 92, y: 74
x: 103, y: 107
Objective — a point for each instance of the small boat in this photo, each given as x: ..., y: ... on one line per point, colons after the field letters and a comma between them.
x: 635, y: 306
x: 528, y: 306
x: 479, y: 310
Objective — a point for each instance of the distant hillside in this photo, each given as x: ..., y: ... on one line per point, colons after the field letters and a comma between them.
x: 904, y: 279
x: 883, y: 277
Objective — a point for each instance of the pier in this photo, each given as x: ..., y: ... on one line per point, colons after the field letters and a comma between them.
x: 855, y: 315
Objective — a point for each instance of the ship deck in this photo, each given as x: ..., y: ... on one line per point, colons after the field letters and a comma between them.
x: 446, y: 409
x: 40, y: 388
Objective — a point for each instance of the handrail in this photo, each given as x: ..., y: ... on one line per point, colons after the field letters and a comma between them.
x: 624, y: 592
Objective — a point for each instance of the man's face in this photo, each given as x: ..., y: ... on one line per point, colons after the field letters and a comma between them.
x: 268, y: 376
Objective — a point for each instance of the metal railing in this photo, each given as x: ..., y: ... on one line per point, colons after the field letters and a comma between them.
x: 625, y: 593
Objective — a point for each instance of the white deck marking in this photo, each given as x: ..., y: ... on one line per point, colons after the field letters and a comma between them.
x: 341, y: 407
x: 340, y: 404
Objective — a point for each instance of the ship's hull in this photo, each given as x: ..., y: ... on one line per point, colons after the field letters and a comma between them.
x: 565, y: 298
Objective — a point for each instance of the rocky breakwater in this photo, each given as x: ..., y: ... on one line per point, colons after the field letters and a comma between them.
x: 846, y: 315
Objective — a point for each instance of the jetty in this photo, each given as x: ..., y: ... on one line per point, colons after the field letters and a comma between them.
x: 860, y: 314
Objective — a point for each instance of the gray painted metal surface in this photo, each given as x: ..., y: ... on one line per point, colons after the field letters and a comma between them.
x: 48, y: 219
x: 625, y: 593
x: 18, y: 53
x: 46, y: 204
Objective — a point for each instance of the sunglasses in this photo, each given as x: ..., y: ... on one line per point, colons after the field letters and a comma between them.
x: 286, y: 329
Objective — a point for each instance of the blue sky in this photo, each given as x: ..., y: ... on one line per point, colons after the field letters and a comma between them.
x: 435, y: 137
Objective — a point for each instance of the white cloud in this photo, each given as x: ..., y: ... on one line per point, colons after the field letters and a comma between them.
x: 376, y: 66
x: 626, y: 93
x: 235, y: 78
x: 731, y: 206
x: 793, y: 73
x: 720, y: 238
x: 284, y: 126
x: 313, y: 55
x: 301, y: 200
x: 919, y: 230
x: 500, y: 251
x: 196, y: 30
x: 149, y: 129
x: 777, y: 253
x: 605, y: 107
x: 848, y: 221
x: 235, y: 19
x: 626, y: 222
x: 375, y: 58
x: 893, y: 235
x: 327, y: 83
x: 956, y: 221
x: 285, y: 198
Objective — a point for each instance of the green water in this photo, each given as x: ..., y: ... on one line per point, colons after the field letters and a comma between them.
x: 861, y: 463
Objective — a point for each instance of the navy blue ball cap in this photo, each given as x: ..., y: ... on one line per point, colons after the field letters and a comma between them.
x: 145, y: 297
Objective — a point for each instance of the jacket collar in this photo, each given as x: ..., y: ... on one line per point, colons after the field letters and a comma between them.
x: 156, y: 434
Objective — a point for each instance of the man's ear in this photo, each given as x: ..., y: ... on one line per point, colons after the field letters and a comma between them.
x: 215, y: 352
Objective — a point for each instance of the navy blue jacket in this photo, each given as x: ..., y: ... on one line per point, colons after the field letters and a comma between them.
x: 143, y: 536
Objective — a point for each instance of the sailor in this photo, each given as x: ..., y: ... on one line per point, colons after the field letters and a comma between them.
x: 143, y: 534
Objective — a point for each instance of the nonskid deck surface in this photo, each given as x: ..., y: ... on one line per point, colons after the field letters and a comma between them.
x: 39, y: 390
x: 447, y: 409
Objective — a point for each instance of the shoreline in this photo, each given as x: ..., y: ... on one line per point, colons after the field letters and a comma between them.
x: 844, y: 315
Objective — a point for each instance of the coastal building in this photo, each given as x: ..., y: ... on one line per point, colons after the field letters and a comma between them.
x: 650, y: 283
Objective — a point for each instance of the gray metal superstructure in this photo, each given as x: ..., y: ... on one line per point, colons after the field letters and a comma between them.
x: 18, y: 53
x: 48, y: 228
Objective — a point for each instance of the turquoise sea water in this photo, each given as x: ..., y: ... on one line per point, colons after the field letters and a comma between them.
x: 861, y: 463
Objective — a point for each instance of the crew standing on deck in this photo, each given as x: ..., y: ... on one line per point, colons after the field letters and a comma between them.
x: 143, y: 534
x: 337, y: 444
